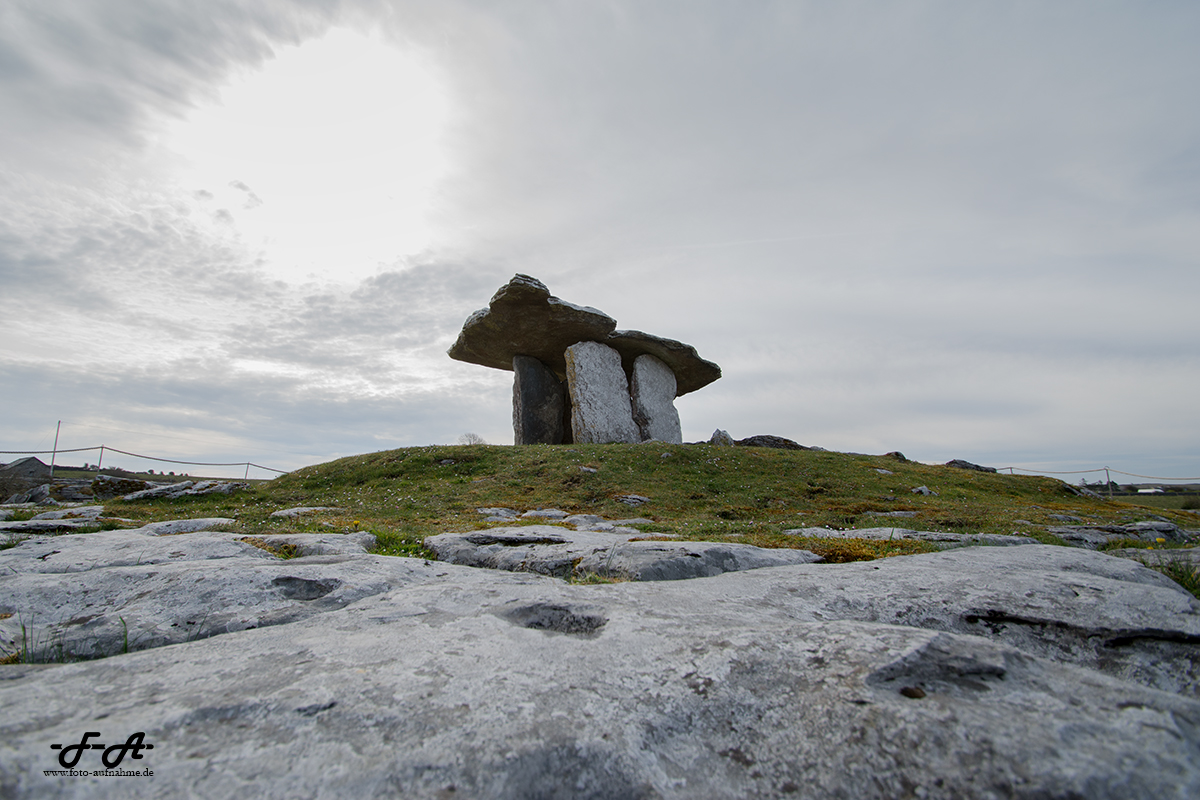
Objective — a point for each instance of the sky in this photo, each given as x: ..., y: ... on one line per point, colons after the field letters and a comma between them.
x: 249, y: 230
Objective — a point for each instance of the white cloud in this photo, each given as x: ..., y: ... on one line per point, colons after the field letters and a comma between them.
x: 956, y: 230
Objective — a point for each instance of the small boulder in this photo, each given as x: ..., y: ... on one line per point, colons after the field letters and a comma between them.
x: 958, y: 463
x: 770, y: 441
x: 106, y: 486
x: 721, y: 438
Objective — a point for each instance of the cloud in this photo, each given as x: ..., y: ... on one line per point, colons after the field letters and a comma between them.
x: 252, y: 200
x: 956, y: 230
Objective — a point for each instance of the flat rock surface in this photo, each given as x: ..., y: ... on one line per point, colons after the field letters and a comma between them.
x: 816, y: 681
x: 551, y: 550
x: 94, y: 595
x: 1149, y: 531
x: 936, y: 537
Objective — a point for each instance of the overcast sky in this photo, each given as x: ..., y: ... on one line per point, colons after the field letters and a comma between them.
x: 250, y: 230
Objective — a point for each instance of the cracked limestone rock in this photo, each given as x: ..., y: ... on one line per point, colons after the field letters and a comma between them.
x: 981, y: 672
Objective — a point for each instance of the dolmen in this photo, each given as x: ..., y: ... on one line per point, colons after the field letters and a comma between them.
x: 577, y: 378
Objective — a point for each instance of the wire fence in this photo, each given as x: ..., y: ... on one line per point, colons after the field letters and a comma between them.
x: 1108, y: 471
x: 100, y: 463
x: 1105, y: 470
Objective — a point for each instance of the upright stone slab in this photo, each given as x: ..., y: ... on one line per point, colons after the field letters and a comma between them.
x: 600, y: 408
x: 538, y: 400
x: 652, y: 391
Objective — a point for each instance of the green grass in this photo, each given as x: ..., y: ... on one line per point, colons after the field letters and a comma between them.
x: 1170, y: 501
x: 1182, y: 573
x: 739, y: 494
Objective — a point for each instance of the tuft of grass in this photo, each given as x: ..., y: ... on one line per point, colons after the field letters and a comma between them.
x: 400, y: 543
x: 593, y: 579
x: 282, y: 549
x: 12, y: 541
x: 1182, y: 573
x: 1159, y: 544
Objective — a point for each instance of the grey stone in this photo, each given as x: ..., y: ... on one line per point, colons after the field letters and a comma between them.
x: 45, y: 525
x: 106, y: 486
x: 594, y: 522
x: 600, y: 405
x: 674, y: 561
x: 1094, y: 536
x: 902, y: 514
x: 721, y: 438
x: 1091, y: 538
x: 162, y: 490
x: 95, y: 595
x: 925, y: 490
x: 820, y: 681
x: 958, y: 463
x: 498, y: 512
x: 78, y: 512
x: 545, y: 513
x: 523, y: 318
x: 652, y: 394
x: 935, y: 537
x: 583, y: 520
x: 690, y: 370
x: 38, y: 495
x: 174, y: 526
x: 562, y: 553
x: 316, y: 544
x: 589, y: 470
x: 300, y: 511
x: 777, y: 442
x: 213, y: 487
x: 632, y: 499
x: 884, y: 471
x: 539, y: 403
x: 1064, y: 518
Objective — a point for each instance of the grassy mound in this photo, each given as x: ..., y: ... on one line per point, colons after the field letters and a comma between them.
x: 742, y: 494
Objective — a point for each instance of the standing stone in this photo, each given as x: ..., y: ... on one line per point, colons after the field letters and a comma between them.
x: 652, y: 391
x: 600, y: 408
x: 537, y: 403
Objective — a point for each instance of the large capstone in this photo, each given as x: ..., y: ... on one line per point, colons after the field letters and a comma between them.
x: 538, y: 402
x: 652, y: 391
x: 691, y: 371
x: 522, y: 318
x: 600, y: 408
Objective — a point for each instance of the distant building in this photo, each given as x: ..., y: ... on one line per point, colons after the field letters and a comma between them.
x: 30, y: 468
x: 1154, y: 490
